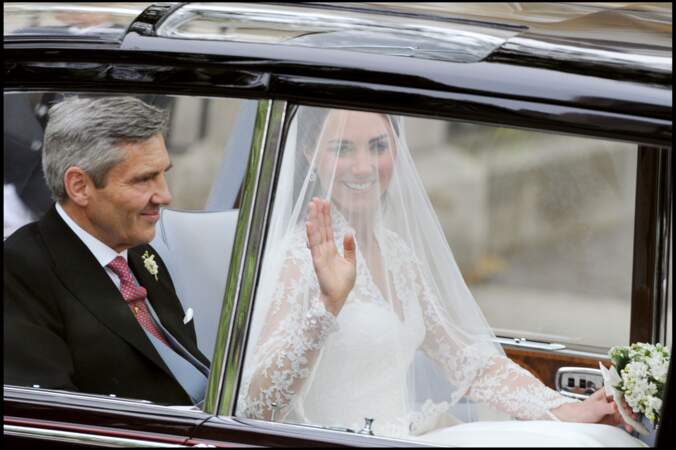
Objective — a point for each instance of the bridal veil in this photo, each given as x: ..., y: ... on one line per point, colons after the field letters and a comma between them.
x: 410, y: 342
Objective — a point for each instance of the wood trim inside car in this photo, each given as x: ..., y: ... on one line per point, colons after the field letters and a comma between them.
x: 544, y: 365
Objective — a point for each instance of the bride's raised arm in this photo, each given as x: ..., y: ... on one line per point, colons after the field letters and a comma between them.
x: 309, y: 292
x: 480, y: 372
x: 295, y: 329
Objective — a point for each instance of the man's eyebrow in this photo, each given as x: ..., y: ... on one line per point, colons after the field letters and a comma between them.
x: 151, y: 174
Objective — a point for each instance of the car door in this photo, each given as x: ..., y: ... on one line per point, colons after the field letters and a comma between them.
x: 613, y: 138
x: 624, y: 166
x: 210, y: 142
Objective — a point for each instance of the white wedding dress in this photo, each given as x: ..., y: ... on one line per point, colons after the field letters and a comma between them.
x: 335, y: 371
x: 305, y: 365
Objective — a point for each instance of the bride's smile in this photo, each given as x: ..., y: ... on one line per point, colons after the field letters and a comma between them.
x: 358, y: 186
x: 355, y: 159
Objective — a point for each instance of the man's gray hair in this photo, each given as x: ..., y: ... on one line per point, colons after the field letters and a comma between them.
x: 88, y: 132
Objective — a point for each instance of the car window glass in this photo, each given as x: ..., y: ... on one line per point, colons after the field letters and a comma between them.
x: 539, y: 229
x: 208, y: 142
x: 547, y: 243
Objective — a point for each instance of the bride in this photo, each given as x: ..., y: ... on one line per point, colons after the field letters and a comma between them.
x: 386, y: 329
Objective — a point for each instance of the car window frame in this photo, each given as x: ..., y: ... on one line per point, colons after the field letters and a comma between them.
x: 250, y: 183
x: 250, y: 80
x: 647, y: 296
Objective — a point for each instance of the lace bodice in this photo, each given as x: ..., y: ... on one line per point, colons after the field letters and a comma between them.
x: 313, y: 367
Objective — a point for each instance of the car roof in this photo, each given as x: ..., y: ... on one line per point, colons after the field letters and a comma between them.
x: 624, y: 37
x: 396, y: 55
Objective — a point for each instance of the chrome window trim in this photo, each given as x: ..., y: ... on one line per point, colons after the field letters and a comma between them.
x: 598, y: 355
x: 530, y: 46
x: 663, y: 248
x: 528, y: 344
x: 70, y: 398
x: 261, y: 212
x: 458, y: 41
x: 224, y: 335
x: 79, y: 438
x: 247, y: 254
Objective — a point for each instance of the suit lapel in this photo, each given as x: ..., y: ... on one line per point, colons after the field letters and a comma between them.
x: 89, y: 283
x: 162, y: 296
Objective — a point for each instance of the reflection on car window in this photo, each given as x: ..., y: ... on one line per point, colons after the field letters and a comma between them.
x: 106, y: 22
x: 399, y: 248
x: 106, y: 313
x: 550, y: 229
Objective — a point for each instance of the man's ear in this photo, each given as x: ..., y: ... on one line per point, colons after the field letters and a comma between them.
x: 78, y: 185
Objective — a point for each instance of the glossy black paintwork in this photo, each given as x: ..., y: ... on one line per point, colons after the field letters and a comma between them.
x: 654, y: 200
x: 505, y: 79
x: 604, y: 71
x: 147, y: 22
x: 145, y: 421
x: 506, y: 89
x: 89, y: 411
x: 520, y: 96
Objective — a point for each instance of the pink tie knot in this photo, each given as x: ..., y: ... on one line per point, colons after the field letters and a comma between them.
x: 130, y: 291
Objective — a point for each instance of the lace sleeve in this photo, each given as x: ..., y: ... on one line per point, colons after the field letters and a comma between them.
x: 481, y: 373
x: 295, y: 329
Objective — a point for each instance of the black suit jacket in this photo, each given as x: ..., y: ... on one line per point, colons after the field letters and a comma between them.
x: 66, y: 325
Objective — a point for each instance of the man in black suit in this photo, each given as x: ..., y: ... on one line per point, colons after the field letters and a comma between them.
x: 89, y: 306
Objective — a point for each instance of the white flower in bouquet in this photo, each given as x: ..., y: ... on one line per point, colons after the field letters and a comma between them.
x: 638, y: 375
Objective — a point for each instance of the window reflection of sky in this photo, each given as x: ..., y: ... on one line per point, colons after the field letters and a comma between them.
x: 107, y: 21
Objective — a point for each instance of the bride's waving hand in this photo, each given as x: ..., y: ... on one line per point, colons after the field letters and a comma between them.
x: 335, y: 273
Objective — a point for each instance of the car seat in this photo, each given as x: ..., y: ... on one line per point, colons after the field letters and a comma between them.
x: 196, y: 248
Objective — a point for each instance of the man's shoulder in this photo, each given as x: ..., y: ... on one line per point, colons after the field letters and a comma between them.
x: 33, y: 235
x: 25, y: 254
x: 26, y: 236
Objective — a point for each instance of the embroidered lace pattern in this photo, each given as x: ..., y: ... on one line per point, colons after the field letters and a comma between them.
x: 291, y: 342
x: 482, y: 374
x: 297, y: 328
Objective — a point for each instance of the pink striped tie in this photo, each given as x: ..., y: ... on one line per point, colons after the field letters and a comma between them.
x: 134, y: 296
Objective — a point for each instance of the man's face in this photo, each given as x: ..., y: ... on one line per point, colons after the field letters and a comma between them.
x: 123, y: 214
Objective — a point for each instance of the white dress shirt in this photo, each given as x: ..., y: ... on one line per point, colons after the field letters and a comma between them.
x: 190, y: 373
x: 103, y: 254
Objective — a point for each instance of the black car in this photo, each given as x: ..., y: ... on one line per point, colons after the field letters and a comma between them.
x: 542, y: 133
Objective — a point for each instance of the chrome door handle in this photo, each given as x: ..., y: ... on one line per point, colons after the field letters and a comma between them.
x: 525, y: 343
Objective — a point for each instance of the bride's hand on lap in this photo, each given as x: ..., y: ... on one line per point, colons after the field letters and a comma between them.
x: 336, y: 273
x: 596, y: 409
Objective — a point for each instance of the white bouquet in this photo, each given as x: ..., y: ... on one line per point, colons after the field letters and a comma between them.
x: 638, y: 376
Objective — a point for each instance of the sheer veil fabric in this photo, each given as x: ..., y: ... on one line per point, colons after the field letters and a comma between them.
x: 409, y: 303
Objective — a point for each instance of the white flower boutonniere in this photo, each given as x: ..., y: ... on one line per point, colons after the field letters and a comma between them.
x: 149, y: 262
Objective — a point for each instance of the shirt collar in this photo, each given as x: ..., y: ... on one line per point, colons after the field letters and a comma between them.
x: 103, y: 254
